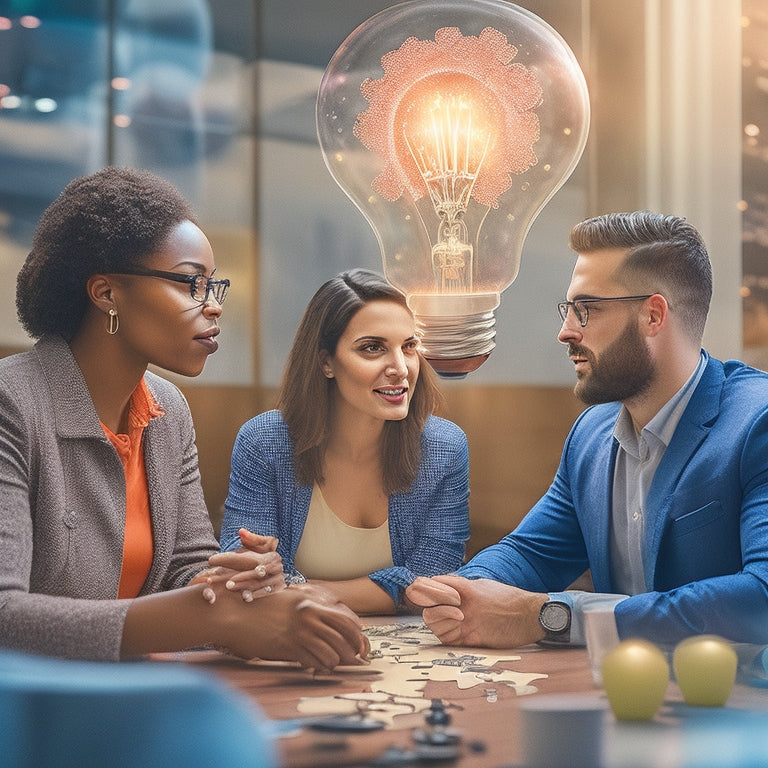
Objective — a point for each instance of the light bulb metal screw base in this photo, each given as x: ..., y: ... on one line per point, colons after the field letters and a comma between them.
x: 455, y: 344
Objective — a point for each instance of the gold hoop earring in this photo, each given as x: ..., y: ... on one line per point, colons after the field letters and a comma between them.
x: 113, y: 322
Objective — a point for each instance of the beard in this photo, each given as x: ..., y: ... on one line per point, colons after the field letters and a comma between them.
x: 624, y: 370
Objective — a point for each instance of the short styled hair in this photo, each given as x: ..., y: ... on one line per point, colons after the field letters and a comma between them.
x: 108, y: 221
x: 306, y: 395
x: 665, y: 254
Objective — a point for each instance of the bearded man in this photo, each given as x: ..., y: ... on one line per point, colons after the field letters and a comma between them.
x: 662, y: 488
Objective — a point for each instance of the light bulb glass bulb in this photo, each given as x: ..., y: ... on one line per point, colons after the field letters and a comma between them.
x: 450, y: 124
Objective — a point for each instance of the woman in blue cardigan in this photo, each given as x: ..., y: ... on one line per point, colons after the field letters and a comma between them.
x: 354, y: 480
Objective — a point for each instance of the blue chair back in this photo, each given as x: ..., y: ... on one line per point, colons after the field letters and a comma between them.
x: 61, y: 714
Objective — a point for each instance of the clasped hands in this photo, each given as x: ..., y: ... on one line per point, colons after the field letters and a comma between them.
x: 255, y: 569
x: 302, y: 623
x: 477, y: 612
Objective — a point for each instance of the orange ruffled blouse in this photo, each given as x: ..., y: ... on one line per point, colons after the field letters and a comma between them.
x: 138, y: 543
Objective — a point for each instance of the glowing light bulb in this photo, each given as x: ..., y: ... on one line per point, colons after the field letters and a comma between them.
x: 449, y: 153
x: 450, y: 124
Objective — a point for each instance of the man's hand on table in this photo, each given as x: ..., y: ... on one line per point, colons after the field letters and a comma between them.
x: 477, y: 612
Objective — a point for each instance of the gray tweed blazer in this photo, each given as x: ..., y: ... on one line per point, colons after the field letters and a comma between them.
x: 62, y: 507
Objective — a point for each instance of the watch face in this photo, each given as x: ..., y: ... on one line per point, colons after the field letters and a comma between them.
x: 555, y: 617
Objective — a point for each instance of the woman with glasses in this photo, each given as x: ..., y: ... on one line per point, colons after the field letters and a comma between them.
x: 104, y: 533
x: 361, y: 487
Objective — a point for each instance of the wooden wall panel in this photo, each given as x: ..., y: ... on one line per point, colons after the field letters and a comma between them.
x: 219, y: 412
x: 515, y: 437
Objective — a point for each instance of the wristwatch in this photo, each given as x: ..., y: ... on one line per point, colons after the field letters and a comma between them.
x: 555, y: 620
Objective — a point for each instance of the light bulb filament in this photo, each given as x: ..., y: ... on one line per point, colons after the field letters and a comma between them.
x: 449, y: 151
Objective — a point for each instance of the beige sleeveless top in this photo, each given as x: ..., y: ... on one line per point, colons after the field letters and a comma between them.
x: 332, y: 550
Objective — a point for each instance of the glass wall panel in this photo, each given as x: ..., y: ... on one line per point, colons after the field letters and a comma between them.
x: 755, y: 175
x: 183, y: 105
x: 166, y: 86
x: 54, y: 59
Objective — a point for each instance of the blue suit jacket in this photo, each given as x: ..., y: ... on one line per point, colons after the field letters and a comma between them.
x: 706, y: 560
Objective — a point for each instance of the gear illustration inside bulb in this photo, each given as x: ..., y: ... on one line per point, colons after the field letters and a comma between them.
x: 450, y: 142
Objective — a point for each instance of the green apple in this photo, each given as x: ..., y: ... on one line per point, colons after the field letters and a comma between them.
x: 705, y: 669
x: 635, y: 678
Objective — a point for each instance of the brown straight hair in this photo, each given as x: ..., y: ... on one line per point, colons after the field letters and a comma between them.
x: 306, y: 395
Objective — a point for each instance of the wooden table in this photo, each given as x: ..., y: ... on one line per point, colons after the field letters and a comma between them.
x: 490, y: 730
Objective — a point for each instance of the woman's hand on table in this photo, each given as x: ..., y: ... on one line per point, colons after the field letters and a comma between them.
x: 301, y: 623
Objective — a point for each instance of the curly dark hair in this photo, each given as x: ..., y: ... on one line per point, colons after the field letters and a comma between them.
x: 105, y: 222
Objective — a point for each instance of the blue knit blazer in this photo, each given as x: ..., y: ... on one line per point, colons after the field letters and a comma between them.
x: 428, y: 525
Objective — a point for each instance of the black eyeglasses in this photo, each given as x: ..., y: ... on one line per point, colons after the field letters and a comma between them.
x: 581, y: 306
x: 200, y: 286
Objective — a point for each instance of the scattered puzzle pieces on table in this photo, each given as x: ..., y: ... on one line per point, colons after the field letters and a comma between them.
x: 404, y: 659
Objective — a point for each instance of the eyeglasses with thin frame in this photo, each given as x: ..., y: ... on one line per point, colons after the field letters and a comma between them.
x: 200, y: 286
x: 581, y: 306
